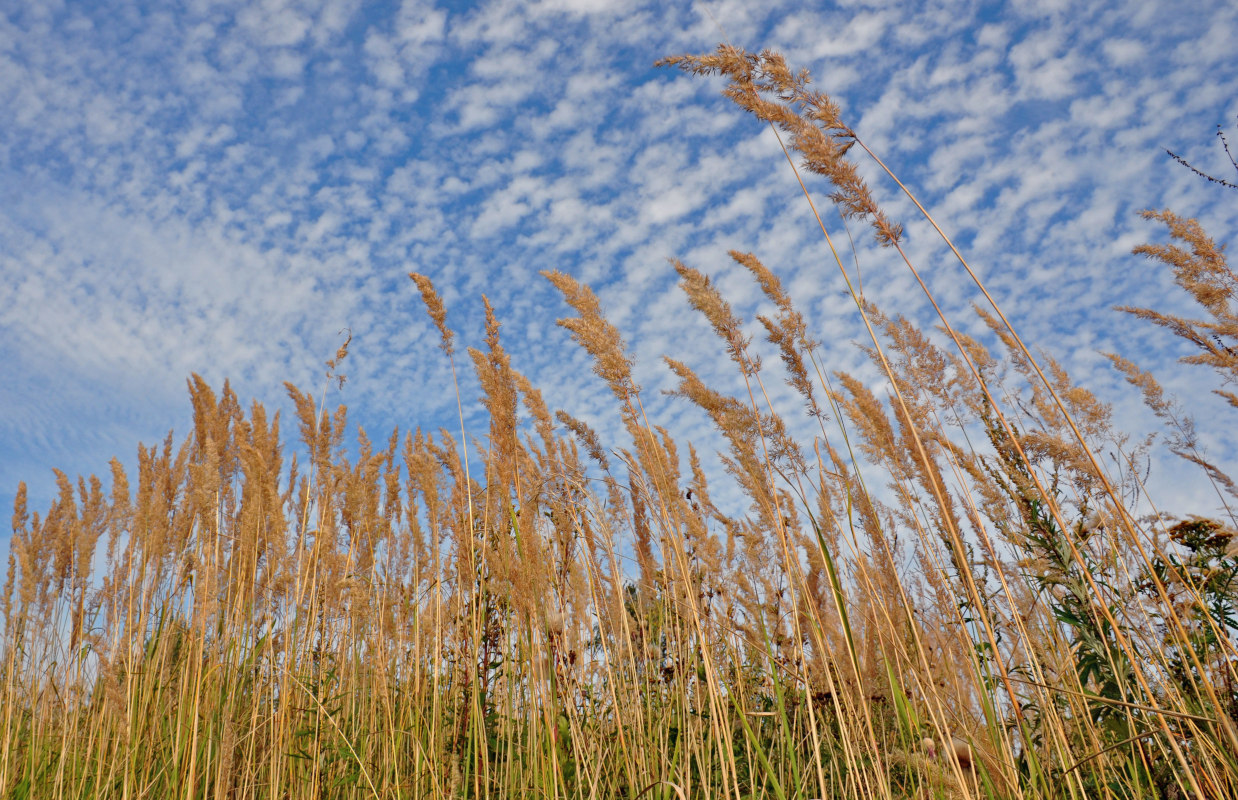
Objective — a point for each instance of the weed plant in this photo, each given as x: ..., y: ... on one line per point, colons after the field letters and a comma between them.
x: 940, y: 594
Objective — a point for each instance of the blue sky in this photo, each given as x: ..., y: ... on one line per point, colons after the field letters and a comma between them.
x: 222, y: 187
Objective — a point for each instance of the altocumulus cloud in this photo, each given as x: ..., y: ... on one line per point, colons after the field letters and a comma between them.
x: 223, y: 187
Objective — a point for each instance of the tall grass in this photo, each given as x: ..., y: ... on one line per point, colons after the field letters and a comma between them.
x: 937, y: 594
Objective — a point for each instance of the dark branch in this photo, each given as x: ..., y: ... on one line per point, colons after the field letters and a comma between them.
x: 1201, y: 173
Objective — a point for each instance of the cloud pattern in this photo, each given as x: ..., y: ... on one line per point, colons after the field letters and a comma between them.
x: 223, y: 186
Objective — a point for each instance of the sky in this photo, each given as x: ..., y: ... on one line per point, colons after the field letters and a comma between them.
x: 224, y: 188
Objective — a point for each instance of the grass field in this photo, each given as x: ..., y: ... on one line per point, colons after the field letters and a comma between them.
x: 941, y: 593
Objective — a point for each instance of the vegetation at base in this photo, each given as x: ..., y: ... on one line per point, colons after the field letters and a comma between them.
x: 941, y: 593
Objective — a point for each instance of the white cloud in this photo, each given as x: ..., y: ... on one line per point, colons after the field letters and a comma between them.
x: 608, y: 7
x: 1041, y: 72
x: 274, y: 22
x: 333, y: 17
x: 1123, y: 52
x: 860, y: 33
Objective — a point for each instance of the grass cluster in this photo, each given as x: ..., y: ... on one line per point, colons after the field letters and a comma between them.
x: 941, y: 593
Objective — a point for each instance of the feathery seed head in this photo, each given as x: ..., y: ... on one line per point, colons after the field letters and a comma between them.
x: 594, y: 333
x: 434, y: 305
